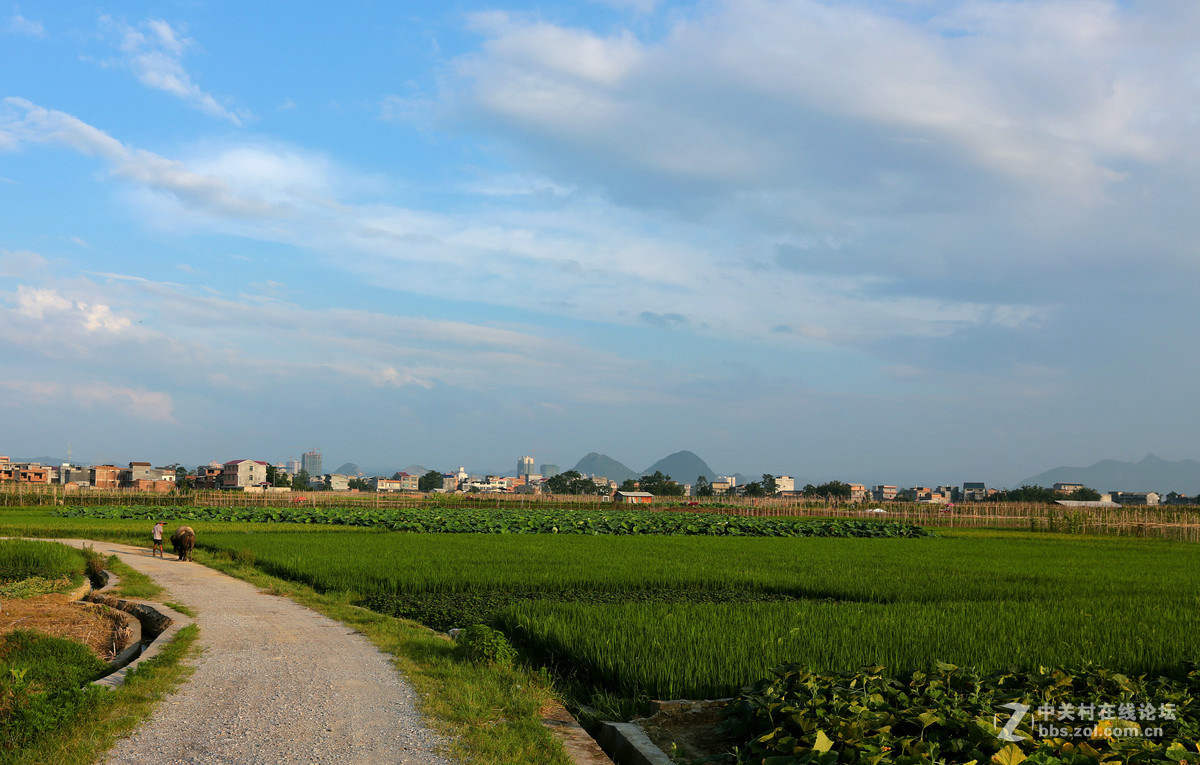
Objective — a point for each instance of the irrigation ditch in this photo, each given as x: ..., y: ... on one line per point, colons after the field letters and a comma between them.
x: 155, y: 624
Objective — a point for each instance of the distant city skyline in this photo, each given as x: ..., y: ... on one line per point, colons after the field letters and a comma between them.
x: 867, y: 240
x: 1149, y: 473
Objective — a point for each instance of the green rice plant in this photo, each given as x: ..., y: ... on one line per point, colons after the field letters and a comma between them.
x: 629, y: 613
x: 1029, y: 568
x: 710, y: 651
x: 21, y: 559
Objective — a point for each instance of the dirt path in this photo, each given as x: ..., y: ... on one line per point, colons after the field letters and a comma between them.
x: 277, y: 683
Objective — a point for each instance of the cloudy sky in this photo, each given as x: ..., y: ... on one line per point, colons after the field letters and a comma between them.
x: 901, y: 241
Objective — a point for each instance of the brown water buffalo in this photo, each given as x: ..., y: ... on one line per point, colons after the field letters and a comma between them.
x: 182, y: 541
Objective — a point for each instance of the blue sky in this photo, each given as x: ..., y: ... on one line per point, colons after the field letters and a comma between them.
x: 917, y: 241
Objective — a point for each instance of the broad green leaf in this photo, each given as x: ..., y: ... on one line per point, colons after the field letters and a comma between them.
x: 823, y: 743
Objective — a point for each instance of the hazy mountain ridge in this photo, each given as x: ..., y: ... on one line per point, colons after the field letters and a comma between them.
x: 1151, y: 473
x: 683, y: 467
x: 596, y: 464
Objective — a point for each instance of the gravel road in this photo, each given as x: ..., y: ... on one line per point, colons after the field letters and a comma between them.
x: 277, y: 684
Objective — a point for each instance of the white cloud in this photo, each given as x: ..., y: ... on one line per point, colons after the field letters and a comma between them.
x: 21, y: 25
x: 1051, y: 99
x: 21, y: 263
x: 154, y: 52
x: 638, y: 6
x: 249, y: 343
x: 23, y: 122
x: 48, y: 305
x: 592, y: 260
x: 139, y: 403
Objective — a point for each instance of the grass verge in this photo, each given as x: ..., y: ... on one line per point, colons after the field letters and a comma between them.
x: 134, y: 585
x: 181, y: 608
x: 121, y: 710
x: 491, y: 713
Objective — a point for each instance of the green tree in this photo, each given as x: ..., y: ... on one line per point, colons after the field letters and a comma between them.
x: 628, y: 485
x: 300, y: 480
x: 768, y: 484
x: 830, y: 489
x: 277, y: 477
x: 561, y: 483
x: 1027, y: 493
x: 430, y: 481
x: 361, y: 484
x: 754, y: 489
x: 574, y: 482
x: 1084, y: 494
x: 660, y: 485
x: 702, y: 487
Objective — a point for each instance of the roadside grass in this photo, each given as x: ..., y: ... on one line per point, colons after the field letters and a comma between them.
x: 117, y: 714
x: 490, y: 713
x: 134, y: 584
x: 181, y: 608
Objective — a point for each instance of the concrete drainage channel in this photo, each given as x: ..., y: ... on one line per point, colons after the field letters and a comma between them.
x: 153, y: 627
x: 690, y: 724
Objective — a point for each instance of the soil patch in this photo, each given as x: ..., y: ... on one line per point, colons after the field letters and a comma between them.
x: 105, y: 631
x: 687, y: 728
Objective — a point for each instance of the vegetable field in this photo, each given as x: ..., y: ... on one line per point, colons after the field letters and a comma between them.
x: 514, y: 520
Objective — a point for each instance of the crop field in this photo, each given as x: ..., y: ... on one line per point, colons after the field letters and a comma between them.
x: 20, y: 559
x: 511, y: 519
x: 652, y: 610
x: 700, y: 617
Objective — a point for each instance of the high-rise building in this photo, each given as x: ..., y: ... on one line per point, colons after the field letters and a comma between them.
x: 310, y: 463
x: 525, y: 466
x: 549, y: 471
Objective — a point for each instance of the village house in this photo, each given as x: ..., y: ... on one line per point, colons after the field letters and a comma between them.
x: 386, y: 484
x: 238, y: 474
x: 23, y: 472
x: 633, y: 497
x: 1136, y: 497
x: 105, y: 476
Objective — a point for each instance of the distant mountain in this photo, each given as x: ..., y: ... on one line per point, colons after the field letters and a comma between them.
x: 348, y: 469
x: 42, y: 460
x: 596, y: 464
x: 683, y: 467
x: 1150, y: 474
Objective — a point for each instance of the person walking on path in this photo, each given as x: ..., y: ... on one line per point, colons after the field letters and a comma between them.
x: 156, y: 537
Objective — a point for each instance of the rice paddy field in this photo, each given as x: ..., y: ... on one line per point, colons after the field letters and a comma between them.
x: 678, y: 615
x: 670, y: 617
x: 625, y: 615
